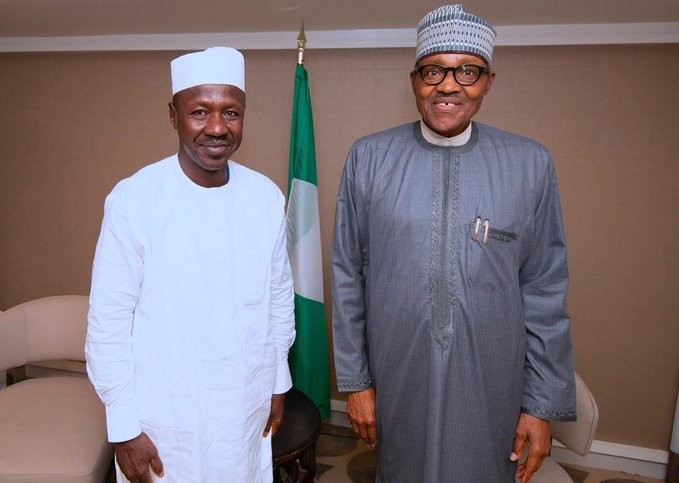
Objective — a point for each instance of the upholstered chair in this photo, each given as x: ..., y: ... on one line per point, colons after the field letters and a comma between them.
x: 52, y: 427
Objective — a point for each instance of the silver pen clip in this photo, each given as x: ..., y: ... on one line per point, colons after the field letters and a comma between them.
x: 486, y: 227
x: 476, y: 228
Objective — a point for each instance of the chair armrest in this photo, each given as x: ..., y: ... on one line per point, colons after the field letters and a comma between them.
x: 578, y: 435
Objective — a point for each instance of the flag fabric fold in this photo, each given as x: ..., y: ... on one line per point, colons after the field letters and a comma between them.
x: 309, y: 354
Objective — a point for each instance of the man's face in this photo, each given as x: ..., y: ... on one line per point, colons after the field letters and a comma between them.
x: 447, y: 108
x: 209, y: 123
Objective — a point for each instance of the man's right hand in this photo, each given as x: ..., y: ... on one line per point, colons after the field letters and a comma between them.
x: 362, y: 414
x: 136, y: 456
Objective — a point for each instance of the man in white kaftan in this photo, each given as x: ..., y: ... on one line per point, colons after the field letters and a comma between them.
x: 191, y: 309
x: 450, y: 327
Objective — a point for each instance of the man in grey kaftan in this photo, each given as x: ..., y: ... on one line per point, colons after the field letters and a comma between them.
x: 449, y: 289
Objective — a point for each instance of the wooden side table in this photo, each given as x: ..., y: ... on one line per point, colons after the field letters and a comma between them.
x: 294, y: 445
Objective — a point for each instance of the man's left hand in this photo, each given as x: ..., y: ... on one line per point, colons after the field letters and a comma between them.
x: 533, y: 433
x: 276, y: 416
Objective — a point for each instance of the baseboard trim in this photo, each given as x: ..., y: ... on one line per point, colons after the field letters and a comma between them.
x: 630, y: 452
x: 636, y: 460
x: 339, y: 406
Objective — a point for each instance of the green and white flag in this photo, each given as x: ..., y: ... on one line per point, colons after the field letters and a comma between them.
x: 309, y: 354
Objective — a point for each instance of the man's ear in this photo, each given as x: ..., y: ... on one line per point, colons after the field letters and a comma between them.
x: 413, y: 79
x: 173, y: 114
x: 489, y: 82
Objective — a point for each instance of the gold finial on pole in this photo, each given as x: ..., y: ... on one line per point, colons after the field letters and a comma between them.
x: 301, y: 42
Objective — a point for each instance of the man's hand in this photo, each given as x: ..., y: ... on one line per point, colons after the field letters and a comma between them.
x: 362, y: 415
x: 276, y: 415
x: 136, y: 456
x: 534, y: 433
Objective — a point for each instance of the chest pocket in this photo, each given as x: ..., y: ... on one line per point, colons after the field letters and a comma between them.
x: 490, y: 257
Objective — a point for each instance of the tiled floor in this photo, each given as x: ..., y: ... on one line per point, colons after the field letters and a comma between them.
x: 342, y: 458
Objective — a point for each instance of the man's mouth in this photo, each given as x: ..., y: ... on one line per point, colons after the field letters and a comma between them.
x: 446, y: 103
x: 216, y: 148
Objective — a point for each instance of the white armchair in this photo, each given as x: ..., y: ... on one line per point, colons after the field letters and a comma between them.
x: 52, y: 429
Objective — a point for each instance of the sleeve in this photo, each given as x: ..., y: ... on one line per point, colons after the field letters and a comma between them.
x: 549, y: 378
x: 282, y: 309
x: 349, y: 259
x: 116, y: 280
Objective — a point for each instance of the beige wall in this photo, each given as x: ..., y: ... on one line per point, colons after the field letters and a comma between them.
x: 73, y: 124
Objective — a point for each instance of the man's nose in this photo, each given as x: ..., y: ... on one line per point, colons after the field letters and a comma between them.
x: 216, y: 125
x: 449, y: 84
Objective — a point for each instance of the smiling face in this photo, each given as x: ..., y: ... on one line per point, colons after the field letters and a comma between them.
x: 209, y: 123
x: 447, y: 108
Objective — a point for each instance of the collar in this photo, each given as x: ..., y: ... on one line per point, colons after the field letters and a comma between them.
x: 435, y: 138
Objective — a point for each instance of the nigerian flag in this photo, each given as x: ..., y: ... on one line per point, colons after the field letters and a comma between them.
x: 309, y: 354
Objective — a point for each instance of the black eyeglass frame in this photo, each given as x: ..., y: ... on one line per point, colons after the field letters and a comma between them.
x: 454, y: 70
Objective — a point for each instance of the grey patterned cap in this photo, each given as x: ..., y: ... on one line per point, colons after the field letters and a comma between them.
x: 451, y: 29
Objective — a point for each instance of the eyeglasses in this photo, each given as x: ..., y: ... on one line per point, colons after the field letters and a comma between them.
x: 465, y: 75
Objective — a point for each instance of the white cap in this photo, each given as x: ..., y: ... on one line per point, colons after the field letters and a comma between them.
x: 216, y: 65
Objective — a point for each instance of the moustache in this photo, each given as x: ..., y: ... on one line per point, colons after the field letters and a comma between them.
x: 216, y: 141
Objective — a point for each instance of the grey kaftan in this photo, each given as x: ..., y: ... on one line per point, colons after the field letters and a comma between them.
x: 457, y: 335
